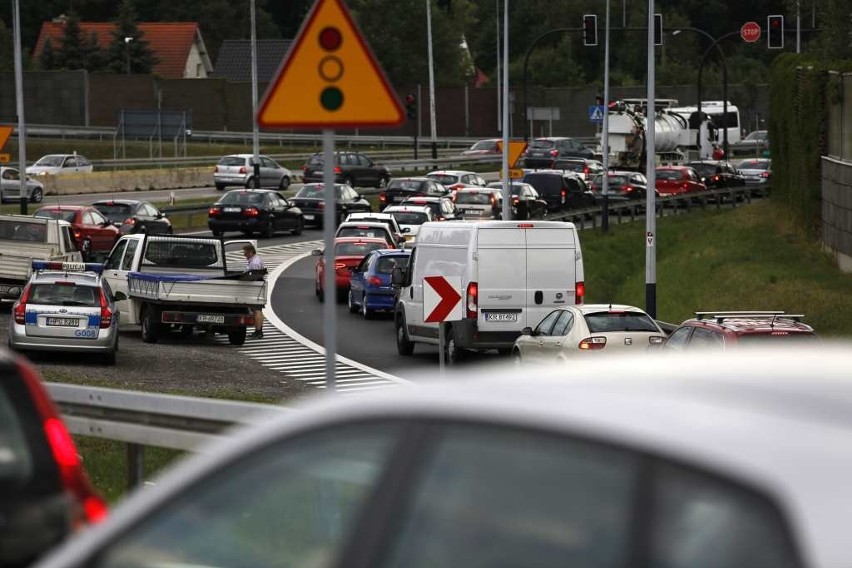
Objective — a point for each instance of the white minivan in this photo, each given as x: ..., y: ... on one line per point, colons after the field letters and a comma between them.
x: 512, y: 274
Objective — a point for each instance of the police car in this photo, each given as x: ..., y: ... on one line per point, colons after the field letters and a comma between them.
x: 66, y: 307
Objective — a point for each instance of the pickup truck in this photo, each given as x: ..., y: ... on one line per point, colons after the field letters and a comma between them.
x: 24, y: 239
x: 182, y: 283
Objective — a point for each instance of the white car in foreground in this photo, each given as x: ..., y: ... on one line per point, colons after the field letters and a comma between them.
x: 688, y: 462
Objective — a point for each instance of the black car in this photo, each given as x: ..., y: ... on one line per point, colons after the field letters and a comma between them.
x: 311, y: 200
x: 250, y: 211
x: 400, y: 189
x: 526, y: 202
x: 134, y: 216
x: 443, y: 208
x: 45, y: 494
x: 717, y: 173
x: 351, y: 168
x: 543, y: 152
x: 621, y: 185
x: 561, y: 190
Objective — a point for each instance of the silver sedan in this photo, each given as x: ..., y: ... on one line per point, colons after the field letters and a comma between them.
x: 10, y: 186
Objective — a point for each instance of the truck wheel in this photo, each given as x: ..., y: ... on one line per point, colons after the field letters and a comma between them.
x: 237, y: 336
x: 150, y: 325
x: 404, y: 346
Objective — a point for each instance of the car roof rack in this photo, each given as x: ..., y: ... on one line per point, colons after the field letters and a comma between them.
x: 721, y: 316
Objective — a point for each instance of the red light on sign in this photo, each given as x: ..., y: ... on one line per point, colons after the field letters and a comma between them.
x: 330, y: 39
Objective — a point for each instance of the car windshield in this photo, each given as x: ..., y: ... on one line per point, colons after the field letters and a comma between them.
x: 386, y: 264
x: 669, y: 175
x: 545, y: 184
x: 754, y: 165
x: 241, y: 198
x: 51, y: 161
x: 613, y: 180
x: 756, y: 135
x: 570, y: 166
x: 62, y: 214
x: 405, y: 184
x: 19, y: 230
x: 315, y: 191
x: 704, y: 169
x: 542, y: 144
x: 484, y: 145
x: 116, y: 212
x: 410, y: 217
x: 232, y: 161
x: 356, y: 249
x: 474, y: 198
x: 444, y: 179
x: 601, y: 322
x: 370, y: 232
x: 65, y: 294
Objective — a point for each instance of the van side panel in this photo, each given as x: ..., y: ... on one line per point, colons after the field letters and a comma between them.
x: 551, y: 271
x: 501, y: 275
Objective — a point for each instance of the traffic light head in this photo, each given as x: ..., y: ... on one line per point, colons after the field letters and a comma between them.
x: 410, y: 106
x: 658, y: 29
x: 775, y: 31
x: 590, y: 29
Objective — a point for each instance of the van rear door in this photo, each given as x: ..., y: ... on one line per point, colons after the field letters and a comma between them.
x: 553, y: 263
x: 501, y: 278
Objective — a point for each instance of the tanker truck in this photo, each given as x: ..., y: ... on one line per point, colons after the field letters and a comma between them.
x: 627, y: 136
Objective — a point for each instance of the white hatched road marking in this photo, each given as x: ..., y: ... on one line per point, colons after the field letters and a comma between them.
x: 295, y: 356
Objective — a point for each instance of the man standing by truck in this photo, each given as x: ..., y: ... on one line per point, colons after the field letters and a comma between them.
x: 255, y: 267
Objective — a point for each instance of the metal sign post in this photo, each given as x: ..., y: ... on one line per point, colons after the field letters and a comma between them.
x: 442, y: 302
x: 329, y: 285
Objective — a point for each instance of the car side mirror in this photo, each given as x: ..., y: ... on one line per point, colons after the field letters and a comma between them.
x: 316, y: 252
x: 527, y: 331
x: 160, y: 215
x: 119, y: 296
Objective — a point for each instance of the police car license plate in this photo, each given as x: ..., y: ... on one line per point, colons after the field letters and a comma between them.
x: 491, y: 316
x: 210, y: 318
x: 63, y: 322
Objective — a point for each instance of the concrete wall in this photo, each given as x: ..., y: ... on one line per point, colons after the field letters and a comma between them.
x: 837, y: 210
x: 135, y: 180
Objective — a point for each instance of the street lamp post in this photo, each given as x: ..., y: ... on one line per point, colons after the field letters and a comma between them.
x: 127, y: 40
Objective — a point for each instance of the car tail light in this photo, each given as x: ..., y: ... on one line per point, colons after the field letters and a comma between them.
x: 526, y: 226
x: 383, y: 197
x: 242, y: 169
x: 563, y: 195
x: 715, y: 178
x: 579, y: 292
x: 685, y: 186
x: 337, y: 170
x: 21, y: 307
x: 251, y: 212
x: 321, y: 205
x: 77, y: 234
x: 92, y: 508
x: 554, y: 152
x: 586, y: 170
x: 339, y: 266
x: 130, y: 221
x: 627, y: 188
x: 106, y: 313
x: 516, y: 200
x: 765, y: 174
x: 214, y: 212
x: 592, y: 344
x: 374, y: 281
x: 493, y: 200
x: 472, y: 295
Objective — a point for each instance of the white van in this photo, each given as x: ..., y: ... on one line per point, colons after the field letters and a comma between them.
x: 512, y: 274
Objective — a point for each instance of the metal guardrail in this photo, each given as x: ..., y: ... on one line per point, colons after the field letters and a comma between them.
x: 144, y: 419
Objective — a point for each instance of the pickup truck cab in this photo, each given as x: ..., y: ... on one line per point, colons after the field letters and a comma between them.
x: 182, y: 283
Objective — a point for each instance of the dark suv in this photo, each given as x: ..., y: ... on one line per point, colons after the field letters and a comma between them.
x: 717, y: 173
x: 561, y: 190
x: 727, y: 330
x: 543, y: 152
x: 351, y: 168
x: 400, y: 189
x: 44, y: 492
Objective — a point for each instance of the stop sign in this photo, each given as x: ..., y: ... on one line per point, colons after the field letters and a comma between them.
x: 750, y: 32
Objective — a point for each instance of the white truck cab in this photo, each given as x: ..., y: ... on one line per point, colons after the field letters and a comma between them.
x: 512, y: 274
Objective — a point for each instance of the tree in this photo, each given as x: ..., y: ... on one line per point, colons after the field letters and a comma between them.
x: 72, y: 52
x: 48, y: 56
x: 129, y: 52
x: 7, y: 56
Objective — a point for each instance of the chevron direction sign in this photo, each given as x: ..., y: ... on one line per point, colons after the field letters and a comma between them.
x: 442, y: 300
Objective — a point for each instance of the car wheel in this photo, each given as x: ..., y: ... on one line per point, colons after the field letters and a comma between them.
x: 216, y: 232
x: 150, y: 325
x: 186, y: 330
x: 252, y: 183
x: 366, y: 313
x: 269, y: 230
x: 220, y: 187
x: 37, y: 195
x: 404, y: 346
x: 517, y: 362
x: 284, y: 183
x: 320, y: 294
x: 237, y: 336
x: 299, y: 227
x: 350, y: 304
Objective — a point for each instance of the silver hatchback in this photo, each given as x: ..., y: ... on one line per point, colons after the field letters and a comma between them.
x: 238, y: 170
x: 66, y: 307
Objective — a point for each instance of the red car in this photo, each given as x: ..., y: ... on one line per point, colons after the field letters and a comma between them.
x: 677, y: 180
x: 348, y: 253
x: 95, y: 234
x: 722, y: 331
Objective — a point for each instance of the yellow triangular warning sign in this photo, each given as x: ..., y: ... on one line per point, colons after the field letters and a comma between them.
x: 516, y: 148
x: 329, y: 78
x: 5, y: 132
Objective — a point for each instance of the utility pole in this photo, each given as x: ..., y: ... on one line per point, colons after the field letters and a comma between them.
x: 431, y: 81
x: 650, y: 174
x: 255, y: 136
x: 19, y: 101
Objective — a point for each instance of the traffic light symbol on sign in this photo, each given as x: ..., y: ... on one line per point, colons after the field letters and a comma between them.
x: 590, y: 29
x: 411, y: 107
x: 775, y: 31
x: 331, y: 68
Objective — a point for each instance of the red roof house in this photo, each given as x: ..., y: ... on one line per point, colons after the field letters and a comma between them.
x: 177, y: 45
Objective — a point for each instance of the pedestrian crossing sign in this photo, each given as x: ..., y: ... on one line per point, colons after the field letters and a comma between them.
x: 596, y: 113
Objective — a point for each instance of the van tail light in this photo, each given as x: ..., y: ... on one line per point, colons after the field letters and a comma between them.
x: 214, y: 212
x: 21, y: 307
x: 91, y: 507
x: 592, y: 344
x: 251, y: 212
x: 472, y: 299
x: 374, y: 281
x: 337, y: 170
x: 106, y: 313
x: 579, y: 292
x: 242, y: 169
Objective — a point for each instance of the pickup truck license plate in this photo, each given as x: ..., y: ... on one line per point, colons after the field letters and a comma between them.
x: 491, y: 316
x: 63, y: 322
x: 232, y: 209
x: 210, y: 318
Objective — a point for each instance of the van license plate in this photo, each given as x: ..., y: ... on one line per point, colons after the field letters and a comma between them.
x: 63, y: 322
x: 500, y: 317
x: 205, y: 318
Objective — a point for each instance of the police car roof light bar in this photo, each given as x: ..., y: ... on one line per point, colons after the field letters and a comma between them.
x: 38, y: 265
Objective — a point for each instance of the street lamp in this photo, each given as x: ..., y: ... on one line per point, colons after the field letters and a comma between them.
x: 127, y: 40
